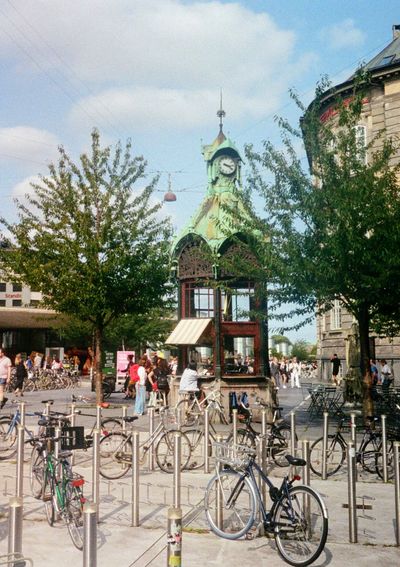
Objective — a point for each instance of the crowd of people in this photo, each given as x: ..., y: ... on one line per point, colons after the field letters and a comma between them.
x: 286, y: 372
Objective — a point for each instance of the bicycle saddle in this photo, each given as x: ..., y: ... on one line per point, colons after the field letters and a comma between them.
x: 130, y: 418
x: 296, y: 462
x: 51, y: 402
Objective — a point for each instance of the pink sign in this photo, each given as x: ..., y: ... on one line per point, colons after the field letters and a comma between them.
x: 122, y: 361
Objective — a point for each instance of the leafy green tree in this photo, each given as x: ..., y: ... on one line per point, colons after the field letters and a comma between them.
x: 333, y: 228
x: 93, y: 245
x: 301, y: 349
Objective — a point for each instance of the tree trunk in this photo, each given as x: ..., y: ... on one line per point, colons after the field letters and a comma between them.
x: 99, y: 375
x: 363, y: 326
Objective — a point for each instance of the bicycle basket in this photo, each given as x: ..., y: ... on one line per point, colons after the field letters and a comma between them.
x: 235, y: 456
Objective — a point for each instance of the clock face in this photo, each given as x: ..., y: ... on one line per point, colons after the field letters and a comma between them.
x: 227, y: 165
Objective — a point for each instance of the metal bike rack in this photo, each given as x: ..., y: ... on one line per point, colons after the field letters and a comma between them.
x: 352, y: 492
x: 124, y: 414
x: 98, y: 417
x: 306, y: 457
x: 206, y: 440
x: 90, y: 535
x: 325, y: 444
x: 396, y: 456
x: 19, y: 488
x: 15, y: 560
x: 219, y: 498
x: 177, y: 469
x: 96, y: 471
x: 384, y: 449
x: 151, y: 433
x: 174, y: 537
x: 234, y: 425
x: 15, y: 525
x: 135, y: 479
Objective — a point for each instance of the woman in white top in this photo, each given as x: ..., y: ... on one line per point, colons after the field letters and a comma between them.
x: 189, y: 379
x: 140, y: 403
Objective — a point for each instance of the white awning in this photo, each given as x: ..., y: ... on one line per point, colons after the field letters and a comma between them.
x: 28, y: 318
x: 188, y: 331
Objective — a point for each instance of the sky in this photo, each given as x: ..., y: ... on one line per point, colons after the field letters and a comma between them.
x: 152, y: 71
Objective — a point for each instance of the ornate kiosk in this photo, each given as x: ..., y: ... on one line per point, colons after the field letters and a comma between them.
x: 216, y: 327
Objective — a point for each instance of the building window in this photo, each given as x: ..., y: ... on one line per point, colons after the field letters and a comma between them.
x: 237, y: 304
x: 336, y: 316
x: 3, y: 286
x: 238, y: 355
x: 17, y: 302
x: 17, y: 287
x: 2, y: 302
x: 199, y: 301
x: 386, y: 60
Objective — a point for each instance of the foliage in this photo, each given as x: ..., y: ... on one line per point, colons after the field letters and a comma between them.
x: 301, y: 349
x: 333, y: 229
x: 92, y: 245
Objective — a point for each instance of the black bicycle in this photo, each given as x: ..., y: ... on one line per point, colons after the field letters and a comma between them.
x: 298, y: 518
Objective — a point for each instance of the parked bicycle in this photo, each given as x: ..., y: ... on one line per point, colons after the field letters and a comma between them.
x: 366, y: 454
x: 193, y: 404
x: 116, y: 447
x: 298, y: 517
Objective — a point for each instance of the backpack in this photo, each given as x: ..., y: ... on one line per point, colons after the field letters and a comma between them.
x: 133, y: 374
x: 162, y: 382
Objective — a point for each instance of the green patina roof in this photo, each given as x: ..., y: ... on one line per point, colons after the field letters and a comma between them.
x: 215, y: 221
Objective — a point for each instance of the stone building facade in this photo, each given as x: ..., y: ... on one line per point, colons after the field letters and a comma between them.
x: 381, y: 110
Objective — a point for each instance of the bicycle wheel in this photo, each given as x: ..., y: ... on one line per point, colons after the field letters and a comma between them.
x: 110, y: 424
x: 165, y: 451
x: 29, y: 386
x: 237, y: 512
x: 196, y: 438
x: 48, y: 500
x: 244, y: 437
x: 8, y: 437
x: 389, y: 459
x: 74, y: 514
x: 190, y: 413
x: 300, y: 526
x: 279, y: 444
x: 368, y: 454
x: 335, y: 455
x: 217, y: 414
x: 115, y: 455
x: 37, y: 469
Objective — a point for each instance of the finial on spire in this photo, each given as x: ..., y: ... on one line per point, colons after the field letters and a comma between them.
x: 221, y: 113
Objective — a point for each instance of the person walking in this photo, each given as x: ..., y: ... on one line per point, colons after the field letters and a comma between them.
x: 21, y: 374
x: 140, y: 402
x: 295, y: 371
x: 5, y: 376
x: 275, y: 372
x: 335, y: 369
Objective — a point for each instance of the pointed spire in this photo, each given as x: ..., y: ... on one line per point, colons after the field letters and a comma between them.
x: 221, y: 113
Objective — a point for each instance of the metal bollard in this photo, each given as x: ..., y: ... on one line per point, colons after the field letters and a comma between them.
x: 151, y: 433
x: 352, y: 493
x: 22, y: 413
x: 353, y: 431
x: 174, y: 537
x: 306, y: 457
x: 96, y: 471
x: 57, y: 447
x: 124, y: 414
x: 261, y: 484
x: 135, y: 479
x: 234, y: 425
x: 47, y: 408
x: 206, y: 441
x: 15, y: 525
x: 396, y: 464
x: 98, y: 417
x: 73, y: 423
x: 384, y: 449
x: 177, y: 469
x: 325, y: 444
x: 90, y: 535
x: 219, y: 496
x: 19, y: 488
x: 293, y: 444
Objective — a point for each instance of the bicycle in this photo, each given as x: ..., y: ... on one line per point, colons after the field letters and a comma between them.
x: 277, y: 439
x: 298, y: 518
x: 192, y: 408
x: 8, y: 433
x: 366, y: 455
x: 116, y: 447
x: 62, y: 491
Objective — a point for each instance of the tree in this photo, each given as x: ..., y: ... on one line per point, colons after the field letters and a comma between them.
x: 333, y: 228
x: 301, y: 349
x: 94, y: 248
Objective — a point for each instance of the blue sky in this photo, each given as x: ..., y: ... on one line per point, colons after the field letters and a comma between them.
x: 152, y: 70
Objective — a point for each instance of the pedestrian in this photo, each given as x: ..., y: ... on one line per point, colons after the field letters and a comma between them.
x: 275, y: 372
x: 295, y: 371
x: 140, y: 403
x: 374, y: 371
x: 335, y: 369
x: 189, y: 379
x: 283, y: 369
x: 5, y: 376
x: 127, y: 378
x: 161, y: 378
x: 386, y: 374
x: 21, y: 374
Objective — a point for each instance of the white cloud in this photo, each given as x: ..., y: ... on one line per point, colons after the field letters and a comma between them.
x: 24, y: 187
x: 27, y: 144
x: 159, y: 61
x: 344, y: 34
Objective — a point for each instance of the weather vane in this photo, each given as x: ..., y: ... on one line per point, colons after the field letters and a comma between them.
x: 221, y: 113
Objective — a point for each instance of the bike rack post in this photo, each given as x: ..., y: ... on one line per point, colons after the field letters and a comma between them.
x: 384, y: 449
x: 151, y: 433
x: 57, y: 445
x: 206, y: 441
x: 96, y: 471
x: 306, y: 457
x: 47, y: 409
x: 234, y: 425
x: 352, y: 492
x: 325, y: 444
x: 90, y: 535
x: 19, y: 488
x: 73, y: 423
x: 293, y: 444
x: 396, y: 453
x: 174, y: 537
x: 353, y: 431
x: 98, y: 417
x: 15, y: 515
x: 177, y: 469
x: 124, y: 414
x: 261, y: 484
x: 135, y: 522
x: 219, y: 498
x: 22, y: 413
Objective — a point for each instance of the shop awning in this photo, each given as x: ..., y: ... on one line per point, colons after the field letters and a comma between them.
x: 28, y: 318
x: 188, y: 331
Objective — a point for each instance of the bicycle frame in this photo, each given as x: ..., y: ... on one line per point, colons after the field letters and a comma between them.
x: 16, y: 420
